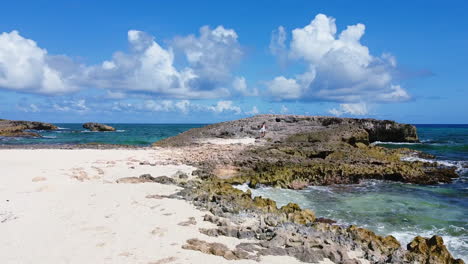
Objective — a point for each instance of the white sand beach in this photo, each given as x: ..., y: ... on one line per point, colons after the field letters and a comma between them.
x: 64, y: 206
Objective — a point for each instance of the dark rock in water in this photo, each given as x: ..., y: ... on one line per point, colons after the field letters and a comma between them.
x: 11, y: 128
x: 325, y: 220
x: 98, y: 127
x: 431, y: 251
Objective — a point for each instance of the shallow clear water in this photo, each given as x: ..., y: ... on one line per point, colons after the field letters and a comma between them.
x: 398, y: 209
x: 126, y: 134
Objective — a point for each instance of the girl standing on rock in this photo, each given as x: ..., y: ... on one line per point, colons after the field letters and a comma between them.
x: 263, y: 129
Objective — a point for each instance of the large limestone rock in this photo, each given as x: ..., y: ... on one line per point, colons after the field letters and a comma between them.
x: 13, y: 128
x: 98, y: 127
x: 280, y: 127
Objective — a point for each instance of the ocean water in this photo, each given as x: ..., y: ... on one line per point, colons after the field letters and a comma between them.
x: 399, y: 209
x: 126, y: 134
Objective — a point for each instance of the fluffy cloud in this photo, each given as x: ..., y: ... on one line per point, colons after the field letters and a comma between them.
x: 240, y: 87
x: 154, y: 106
x: 71, y: 106
x: 225, y: 106
x: 339, y: 67
x: 148, y: 67
x: 284, y: 109
x: 284, y: 88
x: 212, y: 54
x: 278, y: 44
x: 28, y: 68
x: 254, y: 111
x: 357, y: 109
x: 28, y: 108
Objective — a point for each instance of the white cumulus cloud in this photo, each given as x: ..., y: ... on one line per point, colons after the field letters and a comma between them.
x: 26, y: 67
x: 339, y: 67
x: 254, y: 111
x: 357, y: 109
x: 225, y: 106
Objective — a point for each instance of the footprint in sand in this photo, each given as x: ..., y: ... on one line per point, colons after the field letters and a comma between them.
x: 164, y: 260
x: 190, y: 221
x: 99, y: 170
x: 38, y: 179
x: 160, y: 232
x: 125, y: 254
x: 79, y: 174
x: 45, y: 188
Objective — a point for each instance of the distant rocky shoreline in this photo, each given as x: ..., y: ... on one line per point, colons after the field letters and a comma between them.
x: 16, y: 128
x: 12, y: 128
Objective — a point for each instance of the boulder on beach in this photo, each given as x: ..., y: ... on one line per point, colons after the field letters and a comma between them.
x: 13, y: 128
x: 98, y: 127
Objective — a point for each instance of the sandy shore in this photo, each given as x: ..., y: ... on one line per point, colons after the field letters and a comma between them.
x: 64, y: 206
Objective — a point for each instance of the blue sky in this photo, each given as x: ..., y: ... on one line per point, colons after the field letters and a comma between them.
x: 208, y: 61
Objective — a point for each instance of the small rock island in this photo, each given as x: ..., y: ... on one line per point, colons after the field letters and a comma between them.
x: 97, y: 127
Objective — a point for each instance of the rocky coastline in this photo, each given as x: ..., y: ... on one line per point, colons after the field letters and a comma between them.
x: 299, y: 151
x: 13, y: 128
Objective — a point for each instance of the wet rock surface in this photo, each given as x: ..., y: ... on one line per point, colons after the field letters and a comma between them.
x: 12, y: 128
x: 97, y: 127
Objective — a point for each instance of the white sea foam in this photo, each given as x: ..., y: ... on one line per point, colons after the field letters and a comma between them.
x: 243, y: 187
x: 62, y: 128
x: 460, y: 165
x: 120, y: 130
x: 49, y: 136
x: 393, y: 143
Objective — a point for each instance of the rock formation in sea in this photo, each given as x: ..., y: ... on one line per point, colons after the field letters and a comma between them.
x: 13, y: 128
x: 298, y: 151
x: 97, y: 127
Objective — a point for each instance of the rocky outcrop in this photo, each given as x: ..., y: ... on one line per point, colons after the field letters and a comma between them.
x: 292, y: 231
x: 299, y: 151
x: 430, y: 250
x: 280, y: 127
x: 12, y: 128
x: 98, y: 127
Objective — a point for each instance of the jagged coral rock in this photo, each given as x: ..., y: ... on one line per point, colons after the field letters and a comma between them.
x: 431, y: 251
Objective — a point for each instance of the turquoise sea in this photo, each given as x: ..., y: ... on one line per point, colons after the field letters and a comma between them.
x: 388, y: 208
x: 126, y: 134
